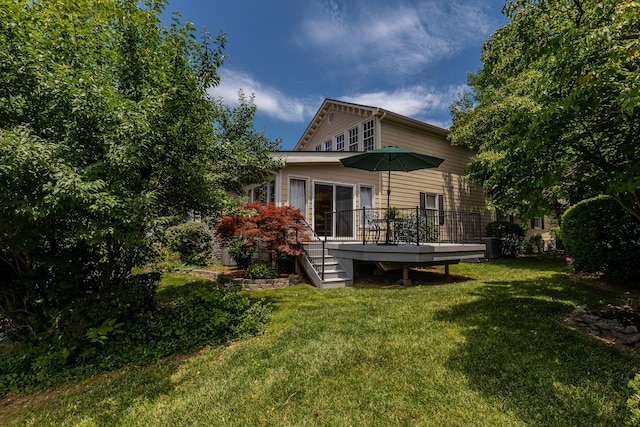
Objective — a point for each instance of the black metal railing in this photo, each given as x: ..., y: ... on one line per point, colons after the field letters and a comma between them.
x: 401, y: 226
x: 314, y: 250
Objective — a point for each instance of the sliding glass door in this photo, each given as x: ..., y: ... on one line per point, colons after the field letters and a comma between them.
x: 333, y: 210
x: 322, y: 208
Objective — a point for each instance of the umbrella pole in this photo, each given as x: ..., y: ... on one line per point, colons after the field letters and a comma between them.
x: 388, y: 213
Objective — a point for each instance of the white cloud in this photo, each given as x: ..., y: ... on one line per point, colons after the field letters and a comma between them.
x: 270, y: 101
x: 416, y: 101
x: 390, y: 37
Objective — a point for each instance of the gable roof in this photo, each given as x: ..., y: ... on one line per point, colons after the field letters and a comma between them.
x: 329, y: 105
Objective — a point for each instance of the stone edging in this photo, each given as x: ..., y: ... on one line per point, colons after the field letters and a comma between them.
x: 611, y: 330
x: 247, y: 284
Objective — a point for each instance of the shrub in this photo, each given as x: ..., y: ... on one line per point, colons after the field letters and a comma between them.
x: 192, y: 240
x: 83, y: 335
x: 241, y: 251
x: 205, y: 314
x: 511, y: 237
x: 262, y: 270
x: 286, y: 264
x: 601, y: 237
x: 137, y: 295
x: 633, y: 403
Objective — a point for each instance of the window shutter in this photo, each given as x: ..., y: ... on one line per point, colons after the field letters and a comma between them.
x: 441, y: 208
x: 422, y: 201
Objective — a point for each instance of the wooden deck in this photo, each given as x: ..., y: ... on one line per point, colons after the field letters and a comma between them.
x: 400, y: 257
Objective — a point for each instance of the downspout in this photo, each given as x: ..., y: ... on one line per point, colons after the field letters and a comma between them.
x: 380, y: 115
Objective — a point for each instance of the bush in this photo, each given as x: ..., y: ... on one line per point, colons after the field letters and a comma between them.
x: 511, y: 237
x: 262, y: 270
x: 601, y: 237
x: 633, y: 403
x: 81, y: 336
x: 137, y: 295
x: 192, y: 240
x: 204, y: 315
x: 241, y: 251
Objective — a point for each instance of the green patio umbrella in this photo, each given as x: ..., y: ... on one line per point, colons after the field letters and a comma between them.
x: 391, y: 158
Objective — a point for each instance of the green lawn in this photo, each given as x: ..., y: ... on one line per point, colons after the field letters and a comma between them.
x: 487, y: 348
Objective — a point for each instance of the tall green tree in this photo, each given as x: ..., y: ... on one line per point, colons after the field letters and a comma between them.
x: 105, y: 127
x: 243, y: 150
x: 554, y: 111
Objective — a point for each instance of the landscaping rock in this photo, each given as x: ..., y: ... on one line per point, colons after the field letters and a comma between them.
x: 617, y: 325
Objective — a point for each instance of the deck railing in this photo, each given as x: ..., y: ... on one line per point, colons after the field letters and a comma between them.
x: 399, y: 226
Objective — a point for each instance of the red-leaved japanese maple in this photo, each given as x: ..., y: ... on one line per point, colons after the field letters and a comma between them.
x: 279, y: 228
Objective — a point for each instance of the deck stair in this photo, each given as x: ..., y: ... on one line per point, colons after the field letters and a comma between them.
x: 316, y: 260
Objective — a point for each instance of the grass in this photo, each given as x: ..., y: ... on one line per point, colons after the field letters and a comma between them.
x: 486, y: 348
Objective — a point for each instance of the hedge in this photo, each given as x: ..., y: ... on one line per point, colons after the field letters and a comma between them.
x: 601, y: 237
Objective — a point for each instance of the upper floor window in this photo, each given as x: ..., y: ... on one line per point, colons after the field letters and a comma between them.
x: 340, y: 142
x: 367, y: 136
x: 318, y: 147
x: 328, y: 145
x: 353, y: 139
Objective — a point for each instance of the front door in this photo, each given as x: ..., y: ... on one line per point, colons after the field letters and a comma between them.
x: 333, y: 210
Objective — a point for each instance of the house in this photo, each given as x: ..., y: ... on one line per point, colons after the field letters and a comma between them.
x: 331, y: 196
x: 315, y: 181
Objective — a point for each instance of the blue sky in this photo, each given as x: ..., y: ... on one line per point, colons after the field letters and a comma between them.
x: 410, y: 57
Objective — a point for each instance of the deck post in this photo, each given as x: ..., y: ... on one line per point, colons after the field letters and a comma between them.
x: 405, y: 276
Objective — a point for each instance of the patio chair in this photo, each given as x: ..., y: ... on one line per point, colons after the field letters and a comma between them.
x: 371, y: 224
x: 405, y: 229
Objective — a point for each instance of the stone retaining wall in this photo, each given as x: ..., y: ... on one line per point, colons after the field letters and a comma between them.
x: 247, y: 284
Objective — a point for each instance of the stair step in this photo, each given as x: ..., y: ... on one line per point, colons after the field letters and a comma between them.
x: 334, y: 275
x: 334, y: 281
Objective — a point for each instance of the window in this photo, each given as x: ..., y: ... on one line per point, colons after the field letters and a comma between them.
x: 263, y: 193
x: 340, y: 142
x: 366, y: 200
x: 366, y: 197
x: 367, y: 135
x: 353, y: 139
x: 503, y: 217
x: 298, y: 195
x: 537, y: 223
x: 432, y: 206
x: 328, y: 145
x: 318, y: 147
